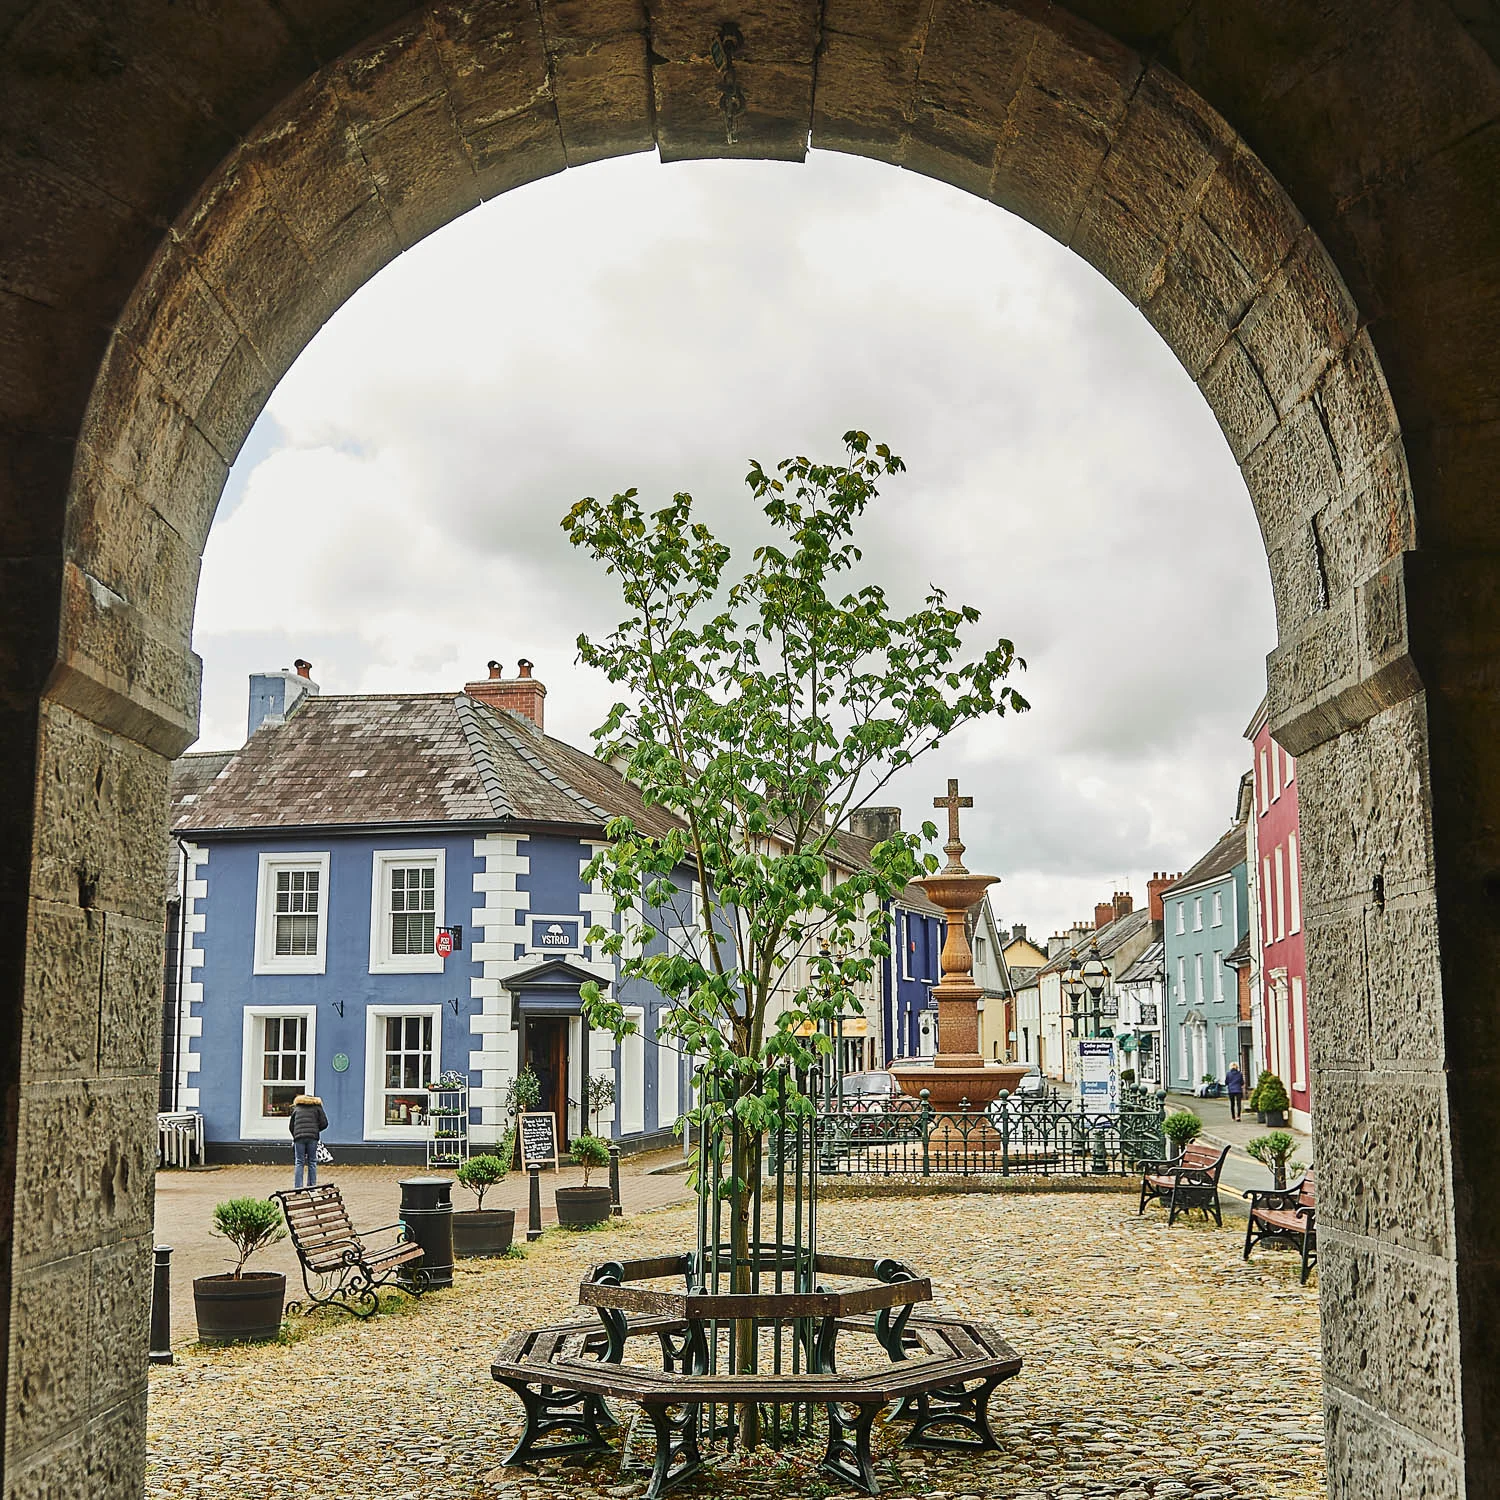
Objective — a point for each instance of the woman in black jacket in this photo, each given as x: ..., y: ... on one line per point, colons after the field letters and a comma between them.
x: 307, y: 1123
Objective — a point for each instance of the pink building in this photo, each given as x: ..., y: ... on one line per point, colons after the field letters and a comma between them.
x: 1279, y: 977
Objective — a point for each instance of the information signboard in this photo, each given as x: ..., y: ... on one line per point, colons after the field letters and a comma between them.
x: 1098, y: 1077
x: 538, y: 1138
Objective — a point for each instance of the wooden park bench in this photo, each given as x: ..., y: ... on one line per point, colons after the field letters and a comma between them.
x: 340, y: 1268
x: 562, y: 1376
x: 1187, y: 1181
x: 1287, y: 1215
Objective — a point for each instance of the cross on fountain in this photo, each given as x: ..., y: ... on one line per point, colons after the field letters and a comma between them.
x: 953, y: 848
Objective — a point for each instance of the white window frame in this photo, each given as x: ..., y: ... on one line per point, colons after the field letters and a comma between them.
x: 1294, y: 874
x: 382, y: 960
x: 375, y: 1018
x: 1276, y: 769
x: 1291, y: 768
x: 1182, y: 989
x: 1266, y: 905
x: 1198, y: 913
x: 254, y: 1126
x: 1265, y: 781
x: 906, y: 940
x: 1218, y: 909
x: 1181, y: 917
x: 267, y: 960
x: 1198, y: 976
x: 1280, y: 858
x: 632, y: 1089
x: 668, y: 1077
x: 1218, y: 975
x: 1298, y: 1037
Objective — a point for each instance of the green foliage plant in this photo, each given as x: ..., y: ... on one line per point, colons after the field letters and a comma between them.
x: 1274, y: 1150
x: 249, y: 1224
x: 480, y: 1173
x: 601, y: 1096
x: 1182, y: 1127
x: 523, y: 1092
x: 1253, y: 1102
x: 591, y: 1153
x: 763, y: 711
x: 1271, y: 1092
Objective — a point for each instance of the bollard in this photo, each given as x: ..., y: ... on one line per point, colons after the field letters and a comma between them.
x: 534, y: 1217
x: 614, y: 1180
x: 161, y: 1306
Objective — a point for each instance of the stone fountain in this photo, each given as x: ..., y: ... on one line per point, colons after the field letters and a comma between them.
x: 958, y: 1072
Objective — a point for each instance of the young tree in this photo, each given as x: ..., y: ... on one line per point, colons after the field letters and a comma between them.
x: 763, y: 712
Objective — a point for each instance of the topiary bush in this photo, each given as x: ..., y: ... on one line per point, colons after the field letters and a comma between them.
x: 1182, y: 1127
x: 249, y: 1224
x: 480, y: 1173
x: 590, y: 1153
x: 1273, y: 1150
x: 1272, y: 1094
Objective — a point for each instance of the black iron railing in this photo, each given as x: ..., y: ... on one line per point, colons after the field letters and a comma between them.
x: 1024, y: 1136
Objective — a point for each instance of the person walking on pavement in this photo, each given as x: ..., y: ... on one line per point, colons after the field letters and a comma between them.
x: 1234, y: 1084
x: 307, y: 1122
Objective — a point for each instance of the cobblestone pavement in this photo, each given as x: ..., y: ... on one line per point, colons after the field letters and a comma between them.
x: 1157, y: 1365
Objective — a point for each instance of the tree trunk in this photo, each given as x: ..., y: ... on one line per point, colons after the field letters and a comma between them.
x: 747, y: 1172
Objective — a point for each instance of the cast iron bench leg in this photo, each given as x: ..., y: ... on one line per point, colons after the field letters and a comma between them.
x: 851, y: 1462
x: 549, y: 1410
x: 675, y: 1438
x: 956, y: 1406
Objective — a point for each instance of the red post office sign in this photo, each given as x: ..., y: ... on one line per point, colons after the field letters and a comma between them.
x: 444, y: 942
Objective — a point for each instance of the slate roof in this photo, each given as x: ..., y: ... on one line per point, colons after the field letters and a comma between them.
x: 1108, y: 939
x: 852, y: 847
x: 408, y: 758
x: 1218, y: 862
x: 1239, y: 956
x: 1152, y: 964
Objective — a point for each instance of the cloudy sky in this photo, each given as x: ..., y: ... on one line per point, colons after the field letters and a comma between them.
x: 394, y: 515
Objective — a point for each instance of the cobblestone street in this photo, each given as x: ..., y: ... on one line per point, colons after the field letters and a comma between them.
x: 1157, y: 1364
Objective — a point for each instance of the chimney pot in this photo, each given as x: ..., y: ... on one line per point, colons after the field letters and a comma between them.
x: 523, y: 695
x: 524, y: 666
x: 304, y: 668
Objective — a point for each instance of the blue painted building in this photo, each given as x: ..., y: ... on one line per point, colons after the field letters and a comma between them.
x: 1205, y: 914
x: 319, y: 863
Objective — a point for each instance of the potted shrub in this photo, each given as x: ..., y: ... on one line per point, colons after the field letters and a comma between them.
x: 1182, y: 1127
x: 481, y: 1230
x: 1273, y: 1150
x: 1272, y: 1101
x: 523, y: 1093
x: 601, y: 1096
x: 1254, y: 1100
x: 577, y: 1206
x: 242, y: 1306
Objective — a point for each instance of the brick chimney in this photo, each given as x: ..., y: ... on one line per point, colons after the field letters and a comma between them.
x: 522, y: 694
x: 1154, y: 888
x: 1104, y: 914
x: 875, y: 823
x: 1124, y: 904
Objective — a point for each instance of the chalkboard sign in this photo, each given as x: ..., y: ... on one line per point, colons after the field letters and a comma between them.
x: 538, y: 1139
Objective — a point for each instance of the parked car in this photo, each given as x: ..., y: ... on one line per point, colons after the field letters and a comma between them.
x: 861, y: 1093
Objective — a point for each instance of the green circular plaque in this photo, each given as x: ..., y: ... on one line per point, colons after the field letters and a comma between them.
x: 340, y: 1062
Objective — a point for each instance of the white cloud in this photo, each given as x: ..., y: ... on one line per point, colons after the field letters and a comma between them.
x: 395, y: 515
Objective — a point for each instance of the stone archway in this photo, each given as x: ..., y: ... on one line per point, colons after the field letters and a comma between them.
x: 1300, y: 205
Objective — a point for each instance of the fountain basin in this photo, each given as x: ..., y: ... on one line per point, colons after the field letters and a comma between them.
x: 947, y: 1086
